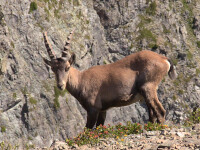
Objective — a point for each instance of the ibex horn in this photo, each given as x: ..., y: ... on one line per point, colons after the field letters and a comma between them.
x: 48, y: 47
x: 67, y: 45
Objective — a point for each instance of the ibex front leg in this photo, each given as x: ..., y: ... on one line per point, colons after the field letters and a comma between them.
x: 101, y: 118
x: 92, y: 115
x: 156, y: 109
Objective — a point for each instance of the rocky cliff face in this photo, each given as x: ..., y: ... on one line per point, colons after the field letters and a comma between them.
x: 34, y: 112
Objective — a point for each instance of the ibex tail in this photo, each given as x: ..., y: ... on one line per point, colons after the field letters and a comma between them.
x: 172, y: 71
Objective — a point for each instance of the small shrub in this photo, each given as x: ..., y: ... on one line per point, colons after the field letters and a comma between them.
x: 12, y: 44
x: 46, y: 85
x: 154, y: 126
x: 165, y: 30
x: 146, y: 34
x: 189, y: 55
x: 30, y: 146
x: 181, y: 92
x: 56, y: 13
x: 3, y: 129
x: 30, y: 138
x: 79, y: 15
x: 151, y: 10
x: 87, y: 37
x: 47, y: 11
x: 119, y: 131
x: 193, y: 118
x: 153, y: 46
x: 61, y: 3
x: 46, y: 1
x: 33, y: 7
x: 174, y: 97
x: 8, y: 146
x: 24, y: 91
x: 174, y: 61
x: 76, y: 2
x: 198, y: 44
x: 32, y: 101
x: 197, y: 72
x: 92, y: 136
x: 143, y: 21
x: 14, y: 95
x: 54, y: 2
x: 105, y: 62
x: 1, y: 15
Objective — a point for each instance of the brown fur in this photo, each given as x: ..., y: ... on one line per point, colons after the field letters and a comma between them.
x: 131, y: 79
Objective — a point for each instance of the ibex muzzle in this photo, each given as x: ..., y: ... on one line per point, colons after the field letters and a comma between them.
x: 124, y: 82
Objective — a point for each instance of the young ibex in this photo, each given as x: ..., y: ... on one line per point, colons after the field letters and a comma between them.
x: 126, y: 81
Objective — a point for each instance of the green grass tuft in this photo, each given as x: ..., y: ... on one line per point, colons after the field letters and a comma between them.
x: 193, y: 118
x: 33, y: 7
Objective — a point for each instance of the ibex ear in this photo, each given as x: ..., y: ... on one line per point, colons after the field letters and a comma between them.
x: 72, y: 59
x: 47, y: 62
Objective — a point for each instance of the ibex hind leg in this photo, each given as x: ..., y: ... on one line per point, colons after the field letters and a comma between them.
x: 156, y: 109
x: 92, y: 116
x: 101, y: 118
x: 152, y: 116
x: 161, y: 110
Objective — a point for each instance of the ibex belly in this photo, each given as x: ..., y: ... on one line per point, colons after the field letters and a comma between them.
x: 132, y: 98
x: 122, y: 101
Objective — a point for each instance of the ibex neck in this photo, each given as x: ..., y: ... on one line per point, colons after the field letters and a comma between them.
x: 73, y: 81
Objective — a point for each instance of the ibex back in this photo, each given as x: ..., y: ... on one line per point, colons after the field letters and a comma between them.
x: 133, y: 78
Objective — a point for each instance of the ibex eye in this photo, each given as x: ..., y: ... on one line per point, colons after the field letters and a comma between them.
x: 66, y: 69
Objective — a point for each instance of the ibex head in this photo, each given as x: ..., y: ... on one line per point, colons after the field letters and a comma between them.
x: 60, y: 66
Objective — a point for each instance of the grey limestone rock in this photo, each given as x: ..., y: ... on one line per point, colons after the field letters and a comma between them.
x: 32, y: 110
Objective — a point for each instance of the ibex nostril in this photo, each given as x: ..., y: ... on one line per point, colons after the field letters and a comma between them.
x: 60, y: 86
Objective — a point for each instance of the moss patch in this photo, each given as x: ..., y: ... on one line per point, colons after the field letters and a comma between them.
x: 58, y: 93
